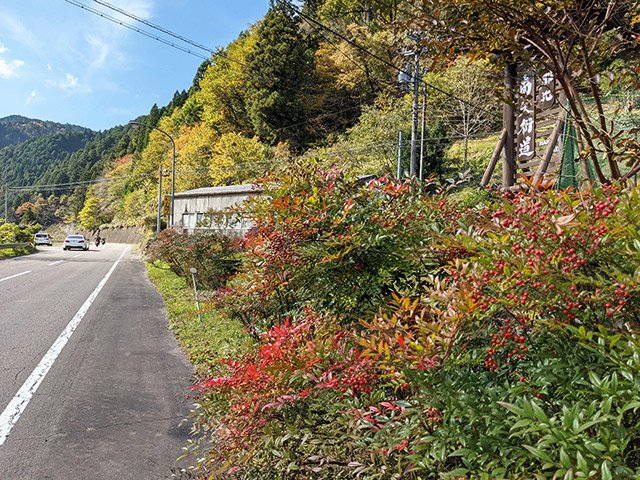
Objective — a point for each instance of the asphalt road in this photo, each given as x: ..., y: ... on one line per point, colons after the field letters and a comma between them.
x: 103, y: 401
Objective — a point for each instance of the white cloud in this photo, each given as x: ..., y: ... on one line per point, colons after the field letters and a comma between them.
x: 10, y: 69
x: 100, y: 50
x: 34, y: 97
x: 70, y: 85
x: 49, y: 67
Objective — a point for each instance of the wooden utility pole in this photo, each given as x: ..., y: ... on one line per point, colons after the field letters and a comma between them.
x: 509, y: 121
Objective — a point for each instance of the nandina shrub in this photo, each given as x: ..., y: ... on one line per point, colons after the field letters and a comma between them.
x: 329, y: 242
x: 524, y: 351
x: 213, y: 255
x: 275, y: 409
x: 510, y: 352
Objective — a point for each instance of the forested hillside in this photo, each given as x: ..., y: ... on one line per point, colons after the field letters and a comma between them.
x: 15, y: 129
x: 26, y: 162
x: 48, y: 175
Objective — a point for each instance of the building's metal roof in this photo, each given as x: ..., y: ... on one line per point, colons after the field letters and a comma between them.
x: 220, y: 191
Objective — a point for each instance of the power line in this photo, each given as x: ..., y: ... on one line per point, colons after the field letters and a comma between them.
x: 168, y: 32
x: 135, y: 29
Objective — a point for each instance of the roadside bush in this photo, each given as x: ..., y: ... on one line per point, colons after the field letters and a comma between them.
x: 401, y: 335
x: 215, y: 256
x: 12, y: 233
x: 525, y: 350
x: 327, y: 242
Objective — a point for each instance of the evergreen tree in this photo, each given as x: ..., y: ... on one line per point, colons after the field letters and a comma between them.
x: 277, y: 73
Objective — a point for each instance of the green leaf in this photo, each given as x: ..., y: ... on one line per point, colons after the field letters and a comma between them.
x: 605, y: 472
x: 581, y: 463
x: 461, y: 452
x: 456, y: 473
x: 564, y: 459
x: 512, y: 408
x: 539, y: 413
x: 606, y: 405
x: 498, y: 472
x: 538, y: 453
x: 595, y: 380
x: 631, y: 405
x: 521, y: 423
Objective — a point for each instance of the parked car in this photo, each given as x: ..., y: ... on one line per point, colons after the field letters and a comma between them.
x: 42, y: 238
x: 75, y: 241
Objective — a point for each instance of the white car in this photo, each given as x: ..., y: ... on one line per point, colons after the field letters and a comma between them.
x: 75, y: 241
x: 41, y: 238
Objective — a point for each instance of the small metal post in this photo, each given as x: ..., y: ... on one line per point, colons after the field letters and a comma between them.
x: 195, y: 291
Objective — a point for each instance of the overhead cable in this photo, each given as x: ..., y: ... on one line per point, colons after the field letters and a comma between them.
x: 136, y: 29
x: 177, y: 36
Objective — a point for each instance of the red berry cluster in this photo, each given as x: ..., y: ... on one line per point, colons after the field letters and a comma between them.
x: 509, y: 343
x: 604, y: 208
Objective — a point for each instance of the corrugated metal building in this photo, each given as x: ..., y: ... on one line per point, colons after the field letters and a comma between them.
x: 211, y: 208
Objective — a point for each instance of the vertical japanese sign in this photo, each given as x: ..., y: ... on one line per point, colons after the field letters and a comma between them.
x: 536, y: 114
x: 526, y: 119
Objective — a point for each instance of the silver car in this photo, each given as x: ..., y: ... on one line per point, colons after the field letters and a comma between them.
x: 75, y: 241
x: 42, y: 238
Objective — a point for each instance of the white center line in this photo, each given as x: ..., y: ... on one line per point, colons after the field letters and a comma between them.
x: 17, y: 405
x: 55, y: 263
x: 14, y: 276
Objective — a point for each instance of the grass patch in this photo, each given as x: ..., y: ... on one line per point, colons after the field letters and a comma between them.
x: 215, y: 337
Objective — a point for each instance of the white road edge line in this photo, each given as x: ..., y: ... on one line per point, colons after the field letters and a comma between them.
x: 55, y: 263
x: 14, y: 276
x: 75, y: 256
x: 11, y: 414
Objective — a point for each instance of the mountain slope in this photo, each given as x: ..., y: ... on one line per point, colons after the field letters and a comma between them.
x: 16, y: 129
x: 26, y: 162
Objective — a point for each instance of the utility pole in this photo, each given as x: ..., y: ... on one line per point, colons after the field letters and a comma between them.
x: 6, y: 202
x: 424, y: 117
x: 173, y: 166
x: 416, y: 79
x: 414, y: 113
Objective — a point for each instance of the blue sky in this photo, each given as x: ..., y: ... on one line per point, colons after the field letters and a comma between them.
x: 61, y: 63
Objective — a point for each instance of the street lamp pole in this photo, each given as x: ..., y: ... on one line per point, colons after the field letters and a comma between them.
x: 173, y: 169
x: 159, y: 220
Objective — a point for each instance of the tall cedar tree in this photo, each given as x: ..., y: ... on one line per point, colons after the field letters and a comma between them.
x: 276, y: 74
